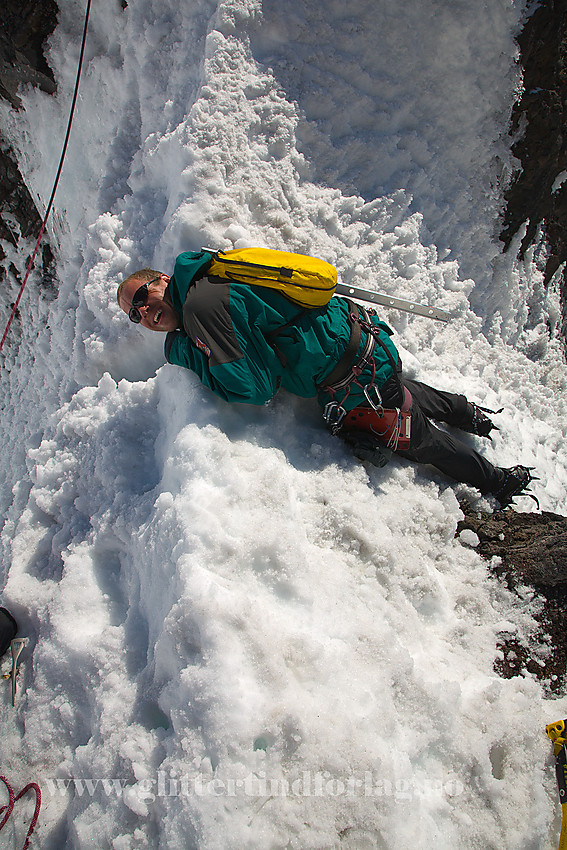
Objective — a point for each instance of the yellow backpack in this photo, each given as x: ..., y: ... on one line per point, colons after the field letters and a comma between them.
x: 307, y: 281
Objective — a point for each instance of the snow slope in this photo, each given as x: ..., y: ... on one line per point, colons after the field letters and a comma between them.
x: 239, y: 636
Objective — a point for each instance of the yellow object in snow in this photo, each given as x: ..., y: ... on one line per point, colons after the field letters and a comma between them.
x: 557, y: 732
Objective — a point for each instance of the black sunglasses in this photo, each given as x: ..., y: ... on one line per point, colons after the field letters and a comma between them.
x: 140, y: 299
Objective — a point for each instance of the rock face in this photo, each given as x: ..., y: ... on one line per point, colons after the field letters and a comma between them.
x: 532, y: 547
x: 536, y: 194
x: 25, y: 26
x: 531, y: 550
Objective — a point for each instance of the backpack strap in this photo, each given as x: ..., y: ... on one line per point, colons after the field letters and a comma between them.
x: 346, y: 370
x: 344, y: 366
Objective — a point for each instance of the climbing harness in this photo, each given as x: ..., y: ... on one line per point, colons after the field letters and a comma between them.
x: 390, y: 426
x: 56, y: 183
x: 557, y: 732
x: 13, y: 799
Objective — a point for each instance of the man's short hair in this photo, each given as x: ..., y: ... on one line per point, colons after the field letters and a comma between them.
x: 143, y: 275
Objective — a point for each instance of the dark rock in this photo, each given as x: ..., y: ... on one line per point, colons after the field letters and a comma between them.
x: 538, y: 122
x: 532, y: 547
x: 19, y: 215
x: 531, y: 550
x: 25, y: 27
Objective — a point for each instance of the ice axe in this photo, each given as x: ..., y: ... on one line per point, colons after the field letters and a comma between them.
x: 557, y: 732
x: 396, y: 303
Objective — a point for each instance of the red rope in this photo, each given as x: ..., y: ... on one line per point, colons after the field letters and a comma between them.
x: 14, y: 799
x: 34, y: 787
x: 56, y: 183
x: 11, y: 802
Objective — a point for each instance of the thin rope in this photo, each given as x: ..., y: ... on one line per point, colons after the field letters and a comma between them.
x: 56, y: 183
x: 10, y: 806
x: 31, y: 786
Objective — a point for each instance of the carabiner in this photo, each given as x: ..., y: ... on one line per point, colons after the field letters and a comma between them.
x: 376, y: 402
x: 333, y: 415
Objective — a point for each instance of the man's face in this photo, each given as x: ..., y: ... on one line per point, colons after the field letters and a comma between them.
x: 156, y: 314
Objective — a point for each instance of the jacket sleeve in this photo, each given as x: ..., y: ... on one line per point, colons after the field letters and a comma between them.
x: 237, y: 381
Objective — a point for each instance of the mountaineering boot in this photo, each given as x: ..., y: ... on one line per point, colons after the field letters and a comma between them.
x: 476, y: 421
x: 514, y: 483
x: 8, y: 629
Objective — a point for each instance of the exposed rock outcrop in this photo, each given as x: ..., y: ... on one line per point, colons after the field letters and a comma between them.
x: 538, y: 193
x: 25, y: 27
x: 529, y: 549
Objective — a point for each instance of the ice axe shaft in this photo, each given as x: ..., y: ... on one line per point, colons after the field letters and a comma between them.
x: 395, y: 303
x: 16, y: 646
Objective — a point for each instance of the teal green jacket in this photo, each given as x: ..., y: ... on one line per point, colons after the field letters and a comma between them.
x: 225, y: 338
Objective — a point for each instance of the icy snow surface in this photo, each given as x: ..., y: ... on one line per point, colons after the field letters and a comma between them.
x: 241, y: 638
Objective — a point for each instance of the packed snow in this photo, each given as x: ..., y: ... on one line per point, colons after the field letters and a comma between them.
x: 239, y: 636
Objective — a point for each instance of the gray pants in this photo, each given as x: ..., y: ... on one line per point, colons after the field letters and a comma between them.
x: 429, y: 444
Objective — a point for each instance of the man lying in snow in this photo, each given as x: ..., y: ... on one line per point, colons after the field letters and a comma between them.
x: 245, y: 341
